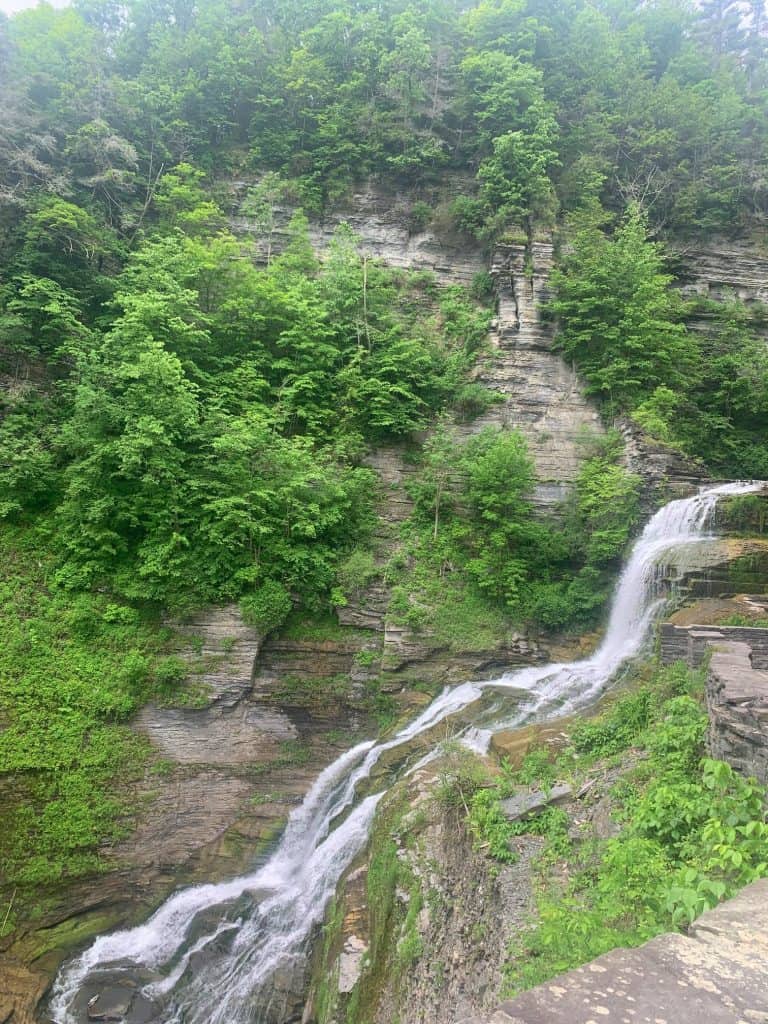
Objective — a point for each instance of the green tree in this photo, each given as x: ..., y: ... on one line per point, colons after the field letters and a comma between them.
x: 619, y: 320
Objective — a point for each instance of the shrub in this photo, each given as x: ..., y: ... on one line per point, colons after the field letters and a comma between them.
x: 266, y: 608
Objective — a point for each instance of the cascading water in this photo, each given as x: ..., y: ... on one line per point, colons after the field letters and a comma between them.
x: 223, y: 954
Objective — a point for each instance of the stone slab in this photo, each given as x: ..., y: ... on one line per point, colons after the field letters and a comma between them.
x: 525, y: 805
x: 716, y: 974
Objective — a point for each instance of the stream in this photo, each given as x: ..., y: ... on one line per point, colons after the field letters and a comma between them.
x: 227, y: 953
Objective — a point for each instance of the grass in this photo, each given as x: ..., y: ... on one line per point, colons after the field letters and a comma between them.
x: 320, y: 627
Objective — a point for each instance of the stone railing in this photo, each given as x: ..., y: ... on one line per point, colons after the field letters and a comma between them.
x: 690, y: 643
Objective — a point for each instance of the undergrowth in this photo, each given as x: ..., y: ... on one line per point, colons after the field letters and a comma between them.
x: 72, y: 670
x: 692, y: 832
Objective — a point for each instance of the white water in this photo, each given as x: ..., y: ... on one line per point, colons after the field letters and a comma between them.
x: 254, y: 930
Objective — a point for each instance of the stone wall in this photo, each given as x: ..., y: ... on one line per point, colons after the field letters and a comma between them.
x: 691, y: 643
x: 737, y: 702
x: 736, y: 692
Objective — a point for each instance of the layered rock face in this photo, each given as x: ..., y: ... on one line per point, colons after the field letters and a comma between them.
x: 542, y: 396
x: 691, y: 644
x: 234, y: 754
x: 736, y: 691
x: 380, y: 221
x: 724, y: 271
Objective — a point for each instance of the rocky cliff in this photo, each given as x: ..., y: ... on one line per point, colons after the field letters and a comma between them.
x: 259, y: 718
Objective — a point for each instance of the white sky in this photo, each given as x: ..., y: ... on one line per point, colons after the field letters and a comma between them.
x: 11, y: 6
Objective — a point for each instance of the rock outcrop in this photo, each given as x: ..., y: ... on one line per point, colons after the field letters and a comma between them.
x: 542, y: 395
x: 439, y: 929
x: 381, y: 221
x: 234, y: 753
x: 717, y: 973
x: 725, y: 270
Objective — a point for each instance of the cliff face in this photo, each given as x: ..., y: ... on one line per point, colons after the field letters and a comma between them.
x: 381, y: 222
x: 262, y: 717
x: 542, y: 396
x: 723, y: 271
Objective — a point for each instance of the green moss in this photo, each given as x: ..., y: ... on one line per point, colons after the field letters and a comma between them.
x: 394, y: 940
x: 65, y: 936
x: 319, y: 627
x: 309, y: 691
x: 73, y: 668
x: 326, y: 993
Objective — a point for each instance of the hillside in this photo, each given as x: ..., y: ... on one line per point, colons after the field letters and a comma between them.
x: 344, y: 350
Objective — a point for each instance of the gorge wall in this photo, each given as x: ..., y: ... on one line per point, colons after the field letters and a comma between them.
x: 259, y: 718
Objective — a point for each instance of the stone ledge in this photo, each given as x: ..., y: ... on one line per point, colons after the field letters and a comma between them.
x: 716, y: 974
x: 691, y: 643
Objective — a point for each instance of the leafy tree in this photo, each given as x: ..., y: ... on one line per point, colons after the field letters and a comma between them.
x: 125, y: 512
x: 619, y: 320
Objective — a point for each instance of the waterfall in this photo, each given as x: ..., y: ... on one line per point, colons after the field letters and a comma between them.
x: 222, y: 954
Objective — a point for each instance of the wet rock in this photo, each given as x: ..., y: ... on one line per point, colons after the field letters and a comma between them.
x: 21, y: 989
x: 120, y: 1001
x: 111, y: 1004
x: 351, y: 963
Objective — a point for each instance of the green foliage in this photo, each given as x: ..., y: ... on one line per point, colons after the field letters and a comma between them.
x: 745, y: 513
x: 179, y: 425
x: 205, y: 441
x: 619, y: 320
x: 71, y: 672
x: 477, y: 551
x: 489, y: 827
x: 606, y: 505
x: 658, y: 105
x: 617, y: 729
x: 704, y: 392
x: 268, y: 607
x: 693, y: 833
